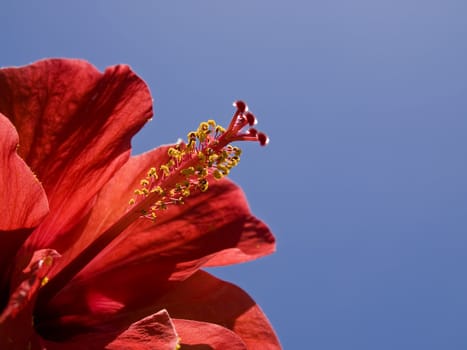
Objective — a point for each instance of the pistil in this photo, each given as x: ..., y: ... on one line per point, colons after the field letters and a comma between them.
x: 207, y: 155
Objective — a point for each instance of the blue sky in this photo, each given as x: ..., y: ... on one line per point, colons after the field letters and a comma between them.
x: 364, y: 181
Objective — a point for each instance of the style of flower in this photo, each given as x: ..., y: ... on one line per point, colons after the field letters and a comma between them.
x: 100, y: 249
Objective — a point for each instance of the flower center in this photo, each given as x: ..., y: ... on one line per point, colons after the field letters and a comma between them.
x: 207, y: 154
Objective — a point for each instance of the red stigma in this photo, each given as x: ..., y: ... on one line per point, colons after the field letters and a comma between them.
x: 263, y: 139
x: 241, y: 106
x: 250, y: 117
x: 241, y: 119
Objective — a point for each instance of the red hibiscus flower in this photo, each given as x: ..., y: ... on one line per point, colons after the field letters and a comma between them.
x: 103, y: 250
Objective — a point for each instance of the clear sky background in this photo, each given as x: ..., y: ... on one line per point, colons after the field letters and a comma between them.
x: 364, y: 182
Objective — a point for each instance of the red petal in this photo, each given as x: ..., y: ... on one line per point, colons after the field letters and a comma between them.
x: 201, y: 335
x: 153, y: 332
x: 256, y: 241
x: 75, y: 126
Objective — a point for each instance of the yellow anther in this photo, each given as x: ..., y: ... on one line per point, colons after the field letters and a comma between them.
x: 131, y: 201
x: 44, y: 281
x: 144, y: 182
x: 203, y: 127
x: 203, y: 131
x: 201, y: 157
x: 217, y: 174
x: 220, y: 129
x: 174, y: 153
x: 152, y: 173
x: 202, y: 172
x: 186, y: 192
x: 188, y: 171
x: 237, y: 151
x: 234, y: 161
x: 203, y: 185
x: 220, y: 158
x: 223, y: 169
x: 157, y: 190
x: 212, y: 123
x: 170, y: 163
x: 213, y: 158
x: 165, y: 169
x: 191, y: 136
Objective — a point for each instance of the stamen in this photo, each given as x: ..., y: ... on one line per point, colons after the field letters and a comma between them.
x: 251, y: 118
x: 207, y: 155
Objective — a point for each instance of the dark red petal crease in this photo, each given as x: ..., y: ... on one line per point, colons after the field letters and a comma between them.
x: 153, y: 332
x: 75, y: 125
x: 195, y: 335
